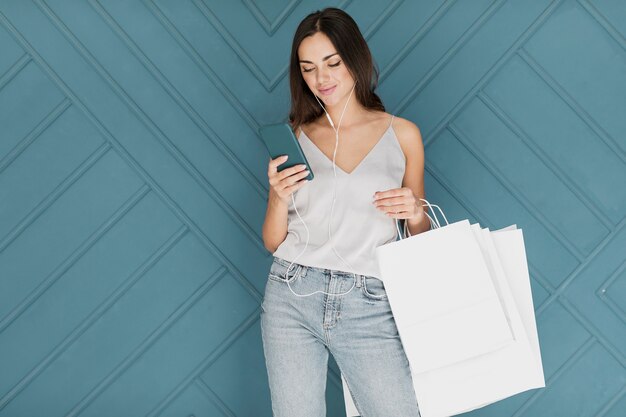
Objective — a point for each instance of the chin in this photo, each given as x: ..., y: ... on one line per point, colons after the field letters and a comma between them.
x: 329, y: 100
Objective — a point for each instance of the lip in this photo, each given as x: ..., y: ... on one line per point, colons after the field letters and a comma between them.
x: 328, y: 91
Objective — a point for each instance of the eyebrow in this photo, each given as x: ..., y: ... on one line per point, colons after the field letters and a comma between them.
x: 323, y: 59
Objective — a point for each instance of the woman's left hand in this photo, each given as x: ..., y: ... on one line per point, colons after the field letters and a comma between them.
x: 399, y: 203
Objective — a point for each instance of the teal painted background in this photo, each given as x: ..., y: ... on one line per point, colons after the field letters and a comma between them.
x: 133, y: 188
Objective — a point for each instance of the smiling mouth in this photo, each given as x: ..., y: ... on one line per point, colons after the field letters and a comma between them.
x: 328, y: 90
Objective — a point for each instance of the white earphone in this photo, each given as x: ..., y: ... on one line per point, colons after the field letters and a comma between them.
x: 332, y: 206
x: 433, y: 223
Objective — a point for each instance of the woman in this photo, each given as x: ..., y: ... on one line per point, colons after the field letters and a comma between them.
x: 332, y: 299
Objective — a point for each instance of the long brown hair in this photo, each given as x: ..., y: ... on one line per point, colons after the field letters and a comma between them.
x: 345, y: 35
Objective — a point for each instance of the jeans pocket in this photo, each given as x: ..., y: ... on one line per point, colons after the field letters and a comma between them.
x: 279, y: 268
x: 373, y: 288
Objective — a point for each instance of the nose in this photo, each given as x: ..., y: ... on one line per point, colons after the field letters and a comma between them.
x: 323, y: 75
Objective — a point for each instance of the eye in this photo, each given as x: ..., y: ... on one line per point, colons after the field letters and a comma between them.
x: 330, y: 65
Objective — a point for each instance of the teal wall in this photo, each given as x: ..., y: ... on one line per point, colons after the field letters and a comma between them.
x: 133, y: 188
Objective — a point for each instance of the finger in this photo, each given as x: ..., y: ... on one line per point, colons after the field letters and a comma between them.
x: 274, y: 163
x: 289, y: 181
x: 399, y: 215
x: 296, y: 186
x: 396, y: 208
x: 299, y: 176
x: 389, y: 201
x: 394, y: 192
x: 303, y: 174
x: 287, y: 172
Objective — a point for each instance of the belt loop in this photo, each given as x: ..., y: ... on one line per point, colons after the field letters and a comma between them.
x: 359, y: 280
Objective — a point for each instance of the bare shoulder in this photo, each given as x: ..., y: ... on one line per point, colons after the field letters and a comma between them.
x: 409, y: 137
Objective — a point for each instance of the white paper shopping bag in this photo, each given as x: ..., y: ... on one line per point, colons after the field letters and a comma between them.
x: 351, y: 410
x: 445, y: 304
x: 444, y: 299
x: 488, y: 378
x: 483, y: 379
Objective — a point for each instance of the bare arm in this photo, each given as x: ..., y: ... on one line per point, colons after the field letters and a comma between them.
x: 414, y: 176
x: 282, y: 185
x: 275, y: 225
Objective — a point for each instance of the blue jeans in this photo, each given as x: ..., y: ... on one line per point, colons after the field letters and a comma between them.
x: 358, y: 328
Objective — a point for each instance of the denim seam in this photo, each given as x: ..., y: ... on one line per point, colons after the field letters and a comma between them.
x: 356, y: 403
x: 369, y: 294
x: 284, y: 279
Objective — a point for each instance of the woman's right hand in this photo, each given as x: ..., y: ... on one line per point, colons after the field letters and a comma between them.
x: 285, y: 182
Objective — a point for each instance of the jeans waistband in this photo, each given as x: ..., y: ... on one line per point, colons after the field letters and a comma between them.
x: 326, y: 271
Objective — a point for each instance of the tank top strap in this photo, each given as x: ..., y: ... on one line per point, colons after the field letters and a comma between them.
x: 390, y: 122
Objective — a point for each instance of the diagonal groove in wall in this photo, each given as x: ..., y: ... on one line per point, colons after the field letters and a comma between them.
x: 15, y: 69
x: 541, y: 279
x: 205, y: 363
x: 447, y: 57
x: 558, y: 295
x: 547, y: 161
x: 604, y: 23
x: 187, y: 47
x: 179, y: 99
x: 239, y: 50
x: 152, y: 126
x: 571, y: 361
x: 214, y: 398
x: 551, y: 82
x: 81, y: 249
x: 270, y: 27
x: 515, y: 193
x: 100, y: 310
x: 456, y: 193
x: 602, y: 295
x: 54, y: 195
x: 367, y: 34
x: 430, y: 23
x: 491, y: 72
x: 149, y: 341
x: 593, y: 330
x: 609, y: 404
x: 585, y: 262
x: 378, y: 23
x: 129, y: 159
x: 184, y: 105
x: 24, y: 143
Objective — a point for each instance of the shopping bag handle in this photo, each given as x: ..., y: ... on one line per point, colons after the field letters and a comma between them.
x: 434, y: 223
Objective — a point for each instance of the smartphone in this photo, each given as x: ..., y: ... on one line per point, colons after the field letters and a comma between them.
x: 280, y: 140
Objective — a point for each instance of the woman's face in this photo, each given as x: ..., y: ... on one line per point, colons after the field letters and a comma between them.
x: 322, y: 68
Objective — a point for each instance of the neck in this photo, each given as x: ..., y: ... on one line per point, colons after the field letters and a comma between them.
x: 353, y: 115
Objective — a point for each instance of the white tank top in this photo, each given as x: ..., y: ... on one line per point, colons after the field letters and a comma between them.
x: 357, y: 226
